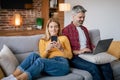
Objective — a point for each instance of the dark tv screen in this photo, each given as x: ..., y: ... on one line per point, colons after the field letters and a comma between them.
x: 16, y: 4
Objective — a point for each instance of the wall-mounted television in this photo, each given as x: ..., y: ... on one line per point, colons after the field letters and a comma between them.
x: 16, y: 4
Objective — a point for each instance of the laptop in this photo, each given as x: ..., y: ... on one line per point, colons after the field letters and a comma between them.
x: 102, y: 46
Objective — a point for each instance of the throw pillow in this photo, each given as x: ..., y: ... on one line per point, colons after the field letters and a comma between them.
x: 100, y: 58
x: 8, y: 61
x: 1, y: 73
x: 114, y: 49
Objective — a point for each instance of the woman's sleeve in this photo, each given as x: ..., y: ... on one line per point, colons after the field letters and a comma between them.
x: 67, y: 48
x: 42, y: 49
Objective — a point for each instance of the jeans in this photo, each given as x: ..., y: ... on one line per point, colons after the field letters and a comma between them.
x: 34, y: 65
x: 99, y: 72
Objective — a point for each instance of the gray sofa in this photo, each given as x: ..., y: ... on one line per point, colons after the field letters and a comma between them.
x: 22, y: 46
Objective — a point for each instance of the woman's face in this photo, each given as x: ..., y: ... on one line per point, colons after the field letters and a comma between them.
x: 53, y: 28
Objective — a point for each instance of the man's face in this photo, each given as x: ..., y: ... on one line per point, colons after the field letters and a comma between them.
x: 78, y: 19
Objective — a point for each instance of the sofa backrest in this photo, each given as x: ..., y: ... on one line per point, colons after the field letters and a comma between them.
x: 95, y: 36
x: 24, y: 44
x: 21, y: 44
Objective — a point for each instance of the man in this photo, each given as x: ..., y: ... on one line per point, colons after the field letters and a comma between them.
x: 80, y: 43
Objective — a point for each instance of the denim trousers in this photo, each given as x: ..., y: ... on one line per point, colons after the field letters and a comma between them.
x: 34, y: 65
x: 98, y: 72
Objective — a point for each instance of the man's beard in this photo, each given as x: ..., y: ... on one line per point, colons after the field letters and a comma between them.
x: 80, y: 23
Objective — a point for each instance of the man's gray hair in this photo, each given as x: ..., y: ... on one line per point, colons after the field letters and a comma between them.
x: 78, y: 8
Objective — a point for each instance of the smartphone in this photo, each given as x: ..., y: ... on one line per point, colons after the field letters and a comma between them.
x: 54, y: 38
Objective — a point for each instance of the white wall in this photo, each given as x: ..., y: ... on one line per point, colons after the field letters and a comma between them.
x: 101, y: 14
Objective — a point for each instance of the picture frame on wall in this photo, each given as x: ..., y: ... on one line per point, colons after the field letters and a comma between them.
x: 53, y: 3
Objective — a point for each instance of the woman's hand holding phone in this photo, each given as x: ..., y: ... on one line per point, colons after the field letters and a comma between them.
x: 50, y: 46
x: 54, y: 44
x: 58, y: 46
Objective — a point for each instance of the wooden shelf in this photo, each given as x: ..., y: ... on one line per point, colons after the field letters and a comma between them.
x: 20, y: 32
x: 53, y: 8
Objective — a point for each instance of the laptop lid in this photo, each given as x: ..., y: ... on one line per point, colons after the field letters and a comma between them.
x: 102, y: 46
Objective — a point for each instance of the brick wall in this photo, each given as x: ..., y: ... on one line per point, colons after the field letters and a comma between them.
x: 29, y: 16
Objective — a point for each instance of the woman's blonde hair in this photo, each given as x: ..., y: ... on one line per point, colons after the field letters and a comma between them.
x: 47, y: 34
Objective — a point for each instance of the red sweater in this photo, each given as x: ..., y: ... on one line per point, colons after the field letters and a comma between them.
x: 72, y: 33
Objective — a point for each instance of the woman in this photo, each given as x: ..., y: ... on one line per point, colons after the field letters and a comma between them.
x: 53, y: 56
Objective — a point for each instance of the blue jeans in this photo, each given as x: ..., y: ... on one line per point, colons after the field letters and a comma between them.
x: 99, y: 72
x: 34, y: 65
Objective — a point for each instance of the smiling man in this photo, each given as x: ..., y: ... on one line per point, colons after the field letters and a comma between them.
x: 80, y: 43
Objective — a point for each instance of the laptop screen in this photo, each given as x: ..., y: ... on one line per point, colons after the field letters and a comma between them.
x: 102, y: 46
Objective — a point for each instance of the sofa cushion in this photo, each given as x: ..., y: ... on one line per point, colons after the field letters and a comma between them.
x: 114, y: 49
x: 70, y: 76
x: 21, y: 57
x: 100, y: 58
x: 8, y: 61
x: 85, y: 74
x: 116, y: 69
